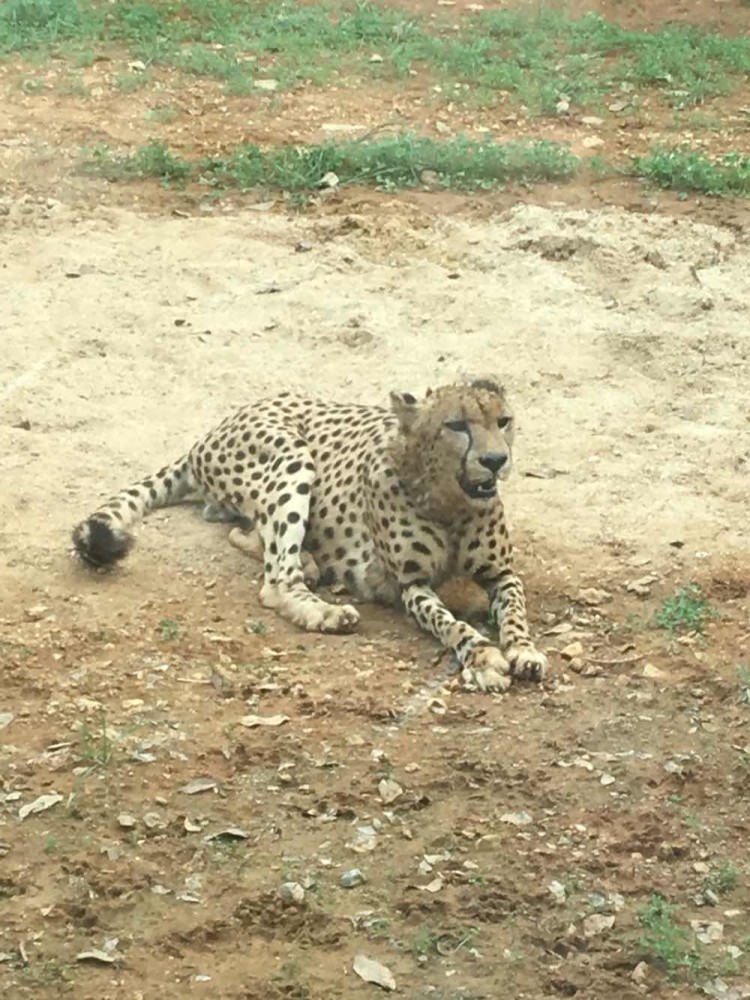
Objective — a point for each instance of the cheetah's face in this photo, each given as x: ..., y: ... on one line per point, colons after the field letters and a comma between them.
x: 463, y: 435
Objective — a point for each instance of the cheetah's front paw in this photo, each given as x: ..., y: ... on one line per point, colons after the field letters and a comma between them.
x: 487, y: 670
x: 526, y: 663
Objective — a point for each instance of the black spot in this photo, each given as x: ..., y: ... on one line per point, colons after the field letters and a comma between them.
x: 293, y: 467
x: 303, y: 488
x: 410, y: 566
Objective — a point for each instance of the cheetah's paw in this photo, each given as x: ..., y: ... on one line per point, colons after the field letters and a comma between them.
x: 488, y: 670
x: 526, y: 663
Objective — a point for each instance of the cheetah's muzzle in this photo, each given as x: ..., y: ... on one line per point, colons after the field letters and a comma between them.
x: 485, y: 490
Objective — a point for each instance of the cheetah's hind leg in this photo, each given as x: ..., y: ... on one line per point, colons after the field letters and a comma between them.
x: 247, y: 539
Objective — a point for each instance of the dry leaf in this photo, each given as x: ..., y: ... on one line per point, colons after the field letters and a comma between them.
x: 251, y: 721
x: 41, y: 804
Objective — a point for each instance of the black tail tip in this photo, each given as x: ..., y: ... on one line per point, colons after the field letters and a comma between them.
x: 99, y: 543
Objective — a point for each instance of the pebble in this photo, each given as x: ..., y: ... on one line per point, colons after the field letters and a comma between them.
x: 352, y: 878
x: 292, y: 892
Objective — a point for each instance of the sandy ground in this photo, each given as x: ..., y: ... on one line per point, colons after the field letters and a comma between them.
x: 621, y: 339
x: 618, y: 336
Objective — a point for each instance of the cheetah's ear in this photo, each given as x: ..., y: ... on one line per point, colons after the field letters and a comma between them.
x: 406, y: 408
x: 489, y: 384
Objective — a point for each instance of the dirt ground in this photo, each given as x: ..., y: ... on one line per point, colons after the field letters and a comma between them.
x: 528, y: 831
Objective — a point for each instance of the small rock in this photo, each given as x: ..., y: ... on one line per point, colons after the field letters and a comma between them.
x: 517, y: 818
x: 593, y: 596
x: 597, y: 923
x: 36, y: 613
x: 701, y: 868
x: 126, y: 821
x: 252, y: 721
x: 641, y: 586
x: 707, y: 931
x: 607, y: 779
x: 592, y: 142
x: 640, y: 973
x: 198, y: 785
x: 352, y: 878
x: 5, y: 719
x: 329, y: 180
x: 266, y: 84
x: 592, y: 120
x: 571, y: 651
x: 618, y: 106
x: 373, y: 972
x: 649, y: 670
x: 292, y: 892
x: 152, y: 820
x: 376, y: 58
x: 558, y: 892
x: 40, y: 804
x: 389, y: 790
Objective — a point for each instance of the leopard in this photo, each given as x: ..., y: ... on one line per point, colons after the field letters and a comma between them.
x: 383, y: 503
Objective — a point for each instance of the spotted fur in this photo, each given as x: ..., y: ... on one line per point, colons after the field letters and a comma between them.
x: 386, y: 503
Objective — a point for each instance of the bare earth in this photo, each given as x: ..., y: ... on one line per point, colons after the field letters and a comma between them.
x: 622, y: 341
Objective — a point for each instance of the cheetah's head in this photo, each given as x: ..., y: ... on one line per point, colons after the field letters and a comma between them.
x: 457, y: 441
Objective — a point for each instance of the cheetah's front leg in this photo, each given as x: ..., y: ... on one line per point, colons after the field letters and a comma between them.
x: 508, y: 608
x: 482, y: 663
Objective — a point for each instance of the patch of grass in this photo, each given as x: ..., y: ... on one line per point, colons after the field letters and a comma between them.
x: 539, y: 54
x: 257, y: 628
x: 165, y: 114
x: 724, y: 880
x: 31, y: 24
x: 687, y: 612
x: 743, y: 678
x: 396, y: 162
x: 51, y: 844
x: 151, y: 160
x: 96, y: 746
x: 391, y: 163
x: 128, y: 83
x: 665, y: 943
x: 169, y: 630
x: 682, y: 169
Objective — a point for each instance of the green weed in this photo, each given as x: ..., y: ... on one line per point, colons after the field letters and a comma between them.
x: 743, y: 677
x: 684, y: 170
x: 539, y: 55
x: 391, y: 163
x: 687, y: 612
x: 151, y: 160
x: 96, y: 746
x: 724, y: 880
x: 665, y: 943
x: 169, y: 630
x: 51, y: 844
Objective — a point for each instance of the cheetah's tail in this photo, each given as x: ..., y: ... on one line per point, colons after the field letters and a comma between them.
x: 104, y: 537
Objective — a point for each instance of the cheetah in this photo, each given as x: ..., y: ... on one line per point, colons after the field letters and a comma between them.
x: 386, y: 503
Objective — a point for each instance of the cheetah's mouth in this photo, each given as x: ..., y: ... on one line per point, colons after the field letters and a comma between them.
x: 485, y: 490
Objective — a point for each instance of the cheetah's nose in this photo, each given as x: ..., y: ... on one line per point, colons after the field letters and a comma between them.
x: 493, y: 460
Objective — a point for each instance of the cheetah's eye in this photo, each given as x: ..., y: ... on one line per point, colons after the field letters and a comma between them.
x: 503, y: 422
x: 459, y: 426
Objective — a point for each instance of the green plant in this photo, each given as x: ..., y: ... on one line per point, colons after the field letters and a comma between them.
x: 686, y: 612
x: 151, y: 160
x: 725, y: 879
x: 665, y: 943
x: 682, y: 169
x: 743, y: 675
x: 51, y: 844
x: 257, y: 628
x: 169, y: 630
x: 96, y: 746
